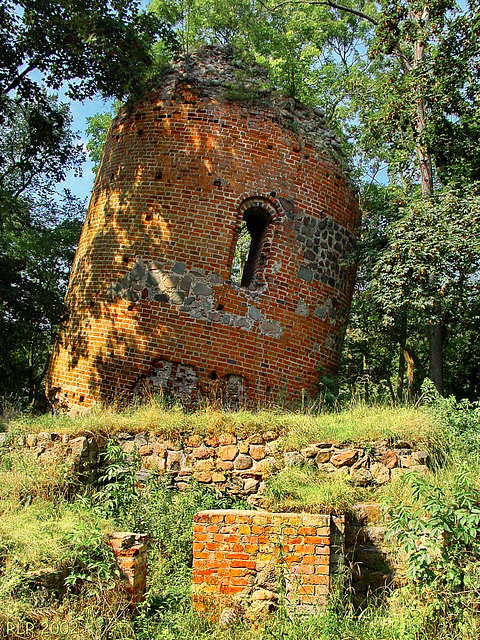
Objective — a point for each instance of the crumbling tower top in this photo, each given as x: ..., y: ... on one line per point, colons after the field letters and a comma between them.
x: 212, y: 262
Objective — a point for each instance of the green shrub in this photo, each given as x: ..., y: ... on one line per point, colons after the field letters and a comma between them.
x: 440, y: 533
x: 459, y: 419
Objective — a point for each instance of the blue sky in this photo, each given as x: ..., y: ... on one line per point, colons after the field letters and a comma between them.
x: 81, y: 186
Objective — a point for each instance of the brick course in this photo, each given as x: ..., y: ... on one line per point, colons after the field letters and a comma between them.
x: 251, y: 556
x: 151, y: 298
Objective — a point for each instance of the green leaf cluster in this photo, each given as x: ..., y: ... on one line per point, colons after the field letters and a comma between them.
x: 440, y: 533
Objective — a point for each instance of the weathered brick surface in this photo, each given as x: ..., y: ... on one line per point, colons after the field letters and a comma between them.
x: 233, y: 551
x: 151, y: 298
x: 130, y: 551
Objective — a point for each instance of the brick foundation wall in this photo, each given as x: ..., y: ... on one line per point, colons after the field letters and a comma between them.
x: 248, y: 558
x: 152, y: 303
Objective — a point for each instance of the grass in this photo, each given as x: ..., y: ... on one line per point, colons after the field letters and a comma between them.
x: 43, y: 509
x: 309, y: 489
x: 358, y: 424
x: 36, y: 516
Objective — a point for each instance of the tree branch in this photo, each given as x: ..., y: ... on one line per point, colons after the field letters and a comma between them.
x: 328, y: 3
x: 14, y: 84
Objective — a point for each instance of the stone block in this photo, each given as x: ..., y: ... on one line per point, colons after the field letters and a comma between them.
x: 344, y: 458
x: 204, y: 465
x: 202, y: 452
x: 323, y: 456
x: 227, y: 452
x: 227, y: 438
x: 202, y: 476
x: 243, y: 462
x: 257, y: 452
x: 174, y: 459
x: 380, y: 473
x: 420, y: 457
x: 389, y: 459
x: 293, y: 458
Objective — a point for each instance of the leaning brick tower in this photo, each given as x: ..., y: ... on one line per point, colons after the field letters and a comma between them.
x: 213, y: 258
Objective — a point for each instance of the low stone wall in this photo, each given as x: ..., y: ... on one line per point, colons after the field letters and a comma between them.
x: 233, y: 464
x: 240, y: 465
x: 245, y: 560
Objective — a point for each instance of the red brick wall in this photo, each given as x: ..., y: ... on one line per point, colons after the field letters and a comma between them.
x: 167, y: 203
x: 130, y: 550
x: 231, y: 549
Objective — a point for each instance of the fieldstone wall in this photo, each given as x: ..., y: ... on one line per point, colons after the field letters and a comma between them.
x: 232, y: 464
x: 246, y: 561
x: 240, y: 466
x: 153, y: 305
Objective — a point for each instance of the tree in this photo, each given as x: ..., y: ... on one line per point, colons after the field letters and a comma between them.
x: 81, y: 48
x: 97, y: 46
x: 97, y: 127
x: 35, y: 260
x: 431, y: 262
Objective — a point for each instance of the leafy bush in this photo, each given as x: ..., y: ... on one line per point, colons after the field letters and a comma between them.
x: 89, y: 559
x: 460, y: 420
x: 440, y: 533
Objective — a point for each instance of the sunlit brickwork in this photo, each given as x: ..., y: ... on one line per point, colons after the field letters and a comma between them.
x: 153, y: 305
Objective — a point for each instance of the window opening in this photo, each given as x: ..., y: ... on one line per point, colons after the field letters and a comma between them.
x: 248, y: 249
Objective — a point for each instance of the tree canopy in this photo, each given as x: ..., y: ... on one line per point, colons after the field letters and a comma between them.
x: 82, y: 49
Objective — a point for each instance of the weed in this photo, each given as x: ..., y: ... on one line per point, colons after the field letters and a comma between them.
x: 89, y: 558
x: 440, y: 533
x: 309, y: 489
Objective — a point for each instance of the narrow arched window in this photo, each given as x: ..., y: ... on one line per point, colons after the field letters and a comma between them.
x: 247, y: 257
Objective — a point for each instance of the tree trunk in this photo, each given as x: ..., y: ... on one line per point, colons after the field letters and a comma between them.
x: 410, y: 371
x: 401, y: 358
x: 365, y: 379
x: 435, y: 353
x: 426, y: 177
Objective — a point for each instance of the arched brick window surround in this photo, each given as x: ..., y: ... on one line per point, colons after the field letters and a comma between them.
x: 256, y: 216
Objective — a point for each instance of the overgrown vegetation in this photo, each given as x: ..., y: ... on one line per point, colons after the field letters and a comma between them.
x: 356, y: 423
x: 50, y: 522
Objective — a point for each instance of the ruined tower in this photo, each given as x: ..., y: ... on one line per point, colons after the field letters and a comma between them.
x: 213, y: 258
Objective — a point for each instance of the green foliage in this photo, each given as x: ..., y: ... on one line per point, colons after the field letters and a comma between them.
x: 329, y: 390
x: 97, y: 127
x: 156, y: 509
x: 433, y: 255
x: 460, y: 420
x: 35, y: 257
x: 440, y: 533
x: 418, y: 265
x: 89, y: 558
x: 241, y: 252
x: 96, y: 46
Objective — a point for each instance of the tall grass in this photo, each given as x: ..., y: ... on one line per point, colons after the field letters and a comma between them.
x: 309, y: 489
x: 360, y: 423
x: 43, y: 510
